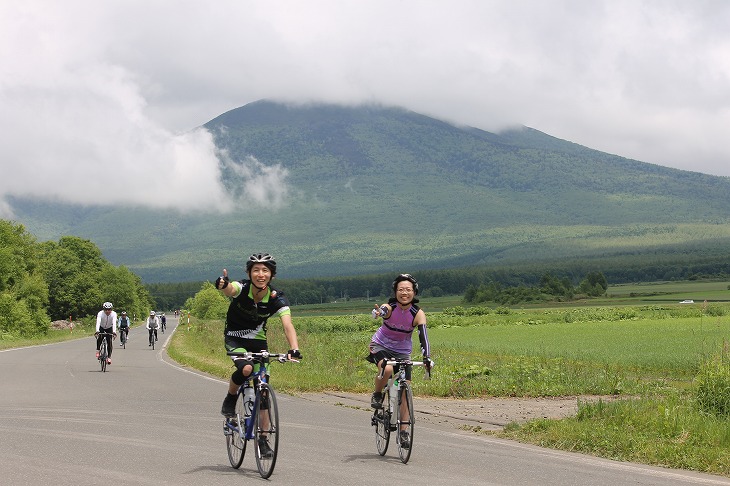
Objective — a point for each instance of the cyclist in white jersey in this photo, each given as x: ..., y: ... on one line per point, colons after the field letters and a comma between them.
x: 106, y: 321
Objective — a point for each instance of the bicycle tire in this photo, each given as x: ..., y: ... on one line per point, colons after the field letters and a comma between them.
x: 235, y: 432
x: 406, y: 393
x: 381, y: 421
x: 103, y: 354
x: 266, y: 426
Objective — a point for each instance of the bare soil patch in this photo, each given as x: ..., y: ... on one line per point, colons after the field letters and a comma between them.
x: 486, y: 413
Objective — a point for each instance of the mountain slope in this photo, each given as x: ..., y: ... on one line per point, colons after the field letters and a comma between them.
x: 374, y: 189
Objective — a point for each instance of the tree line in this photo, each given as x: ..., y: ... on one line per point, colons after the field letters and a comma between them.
x: 523, y: 282
x: 42, y: 282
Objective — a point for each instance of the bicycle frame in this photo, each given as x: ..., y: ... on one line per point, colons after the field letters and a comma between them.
x: 401, y: 377
x: 250, y: 428
x: 257, y: 378
x: 392, y: 417
x: 104, y: 349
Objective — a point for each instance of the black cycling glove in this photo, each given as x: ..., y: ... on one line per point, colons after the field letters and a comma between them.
x: 294, y: 353
x: 218, y: 281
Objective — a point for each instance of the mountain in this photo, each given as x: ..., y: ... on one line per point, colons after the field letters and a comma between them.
x: 372, y: 189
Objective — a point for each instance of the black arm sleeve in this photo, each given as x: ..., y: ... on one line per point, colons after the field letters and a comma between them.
x: 423, y: 337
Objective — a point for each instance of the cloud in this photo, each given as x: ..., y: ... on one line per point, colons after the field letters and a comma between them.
x: 99, y: 101
x: 75, y: 129
x: 252, y: 182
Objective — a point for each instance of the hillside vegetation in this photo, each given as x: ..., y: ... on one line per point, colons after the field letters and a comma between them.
x: 373, y: 189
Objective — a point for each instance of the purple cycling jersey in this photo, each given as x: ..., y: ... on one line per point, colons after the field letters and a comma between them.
x: 395, y: 333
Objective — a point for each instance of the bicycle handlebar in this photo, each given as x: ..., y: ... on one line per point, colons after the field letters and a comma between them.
x: 395, y: 362
x: 281, y: 358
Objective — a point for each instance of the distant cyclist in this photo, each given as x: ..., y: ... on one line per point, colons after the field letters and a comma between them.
x: 163, y: 322
x: 123, y: 326
x: 153, y: 323
x: 106, y: 322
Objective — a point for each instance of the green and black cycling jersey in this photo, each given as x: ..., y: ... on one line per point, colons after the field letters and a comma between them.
x: 247, y: 319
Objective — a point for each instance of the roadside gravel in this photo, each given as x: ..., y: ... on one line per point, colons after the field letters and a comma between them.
x: 487, y: 413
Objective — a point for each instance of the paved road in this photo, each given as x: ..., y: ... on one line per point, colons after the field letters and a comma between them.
x: 146, y: 421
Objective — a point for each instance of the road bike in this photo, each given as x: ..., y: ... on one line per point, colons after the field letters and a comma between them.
x: 256, y: 417
x: 103, y: 350
x: 152, y: 338
x: 397, y: 414
x: 123, y: 337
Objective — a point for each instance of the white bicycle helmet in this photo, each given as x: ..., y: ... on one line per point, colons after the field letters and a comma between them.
x: 264, y: 258
x: 107, y: 305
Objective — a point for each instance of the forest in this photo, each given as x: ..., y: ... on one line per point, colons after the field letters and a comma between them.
x: 67, y: 279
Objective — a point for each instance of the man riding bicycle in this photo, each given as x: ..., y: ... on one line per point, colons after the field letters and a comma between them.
x: 123, y: 325
x: 106, y: 322
x: 163, y: 322
x: 253, y: 301
x: 153, y: 323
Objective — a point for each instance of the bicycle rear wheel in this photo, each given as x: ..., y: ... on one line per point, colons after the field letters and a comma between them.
x: 266, y: 430
x: 103, y: 354
x: 235, y: 432
x: 381, y: 421
x: 405, y: 424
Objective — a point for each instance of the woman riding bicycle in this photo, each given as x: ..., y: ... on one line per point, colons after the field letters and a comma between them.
x: 392, y: 340
x: 253, y: 301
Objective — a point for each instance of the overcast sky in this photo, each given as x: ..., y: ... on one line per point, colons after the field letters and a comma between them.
x: 107, y: 94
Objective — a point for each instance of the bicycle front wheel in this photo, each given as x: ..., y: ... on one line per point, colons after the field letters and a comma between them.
x: 234, y: 429
x: 381, y: 421
x: 405, y: 423
x: 266, y: 430
x: 103, y: 354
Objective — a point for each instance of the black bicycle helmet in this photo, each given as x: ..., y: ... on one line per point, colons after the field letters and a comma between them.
x: 264, y: 258
x: 406, y: 277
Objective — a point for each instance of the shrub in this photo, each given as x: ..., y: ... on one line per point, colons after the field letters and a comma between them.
x: 713, y: 388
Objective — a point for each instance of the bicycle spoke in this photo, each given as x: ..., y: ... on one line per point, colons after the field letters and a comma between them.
x: 235, y: 435
x: 266, y: 430
x: 405, y: 423
x: 381, y: 421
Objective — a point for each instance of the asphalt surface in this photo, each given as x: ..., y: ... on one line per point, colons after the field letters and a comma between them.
x: 148, y: 421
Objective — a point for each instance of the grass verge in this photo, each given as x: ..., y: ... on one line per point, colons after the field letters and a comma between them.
x: 650, y: 355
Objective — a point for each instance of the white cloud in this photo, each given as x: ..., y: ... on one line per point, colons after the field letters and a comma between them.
x: 101, y: 95
x: 260, y: 184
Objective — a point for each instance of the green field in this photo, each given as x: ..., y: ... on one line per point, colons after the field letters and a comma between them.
x: 616, y: 295
x: 667, y: 365
x: 699, y: 291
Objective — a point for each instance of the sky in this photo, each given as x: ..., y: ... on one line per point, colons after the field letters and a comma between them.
x: 101, y: 100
